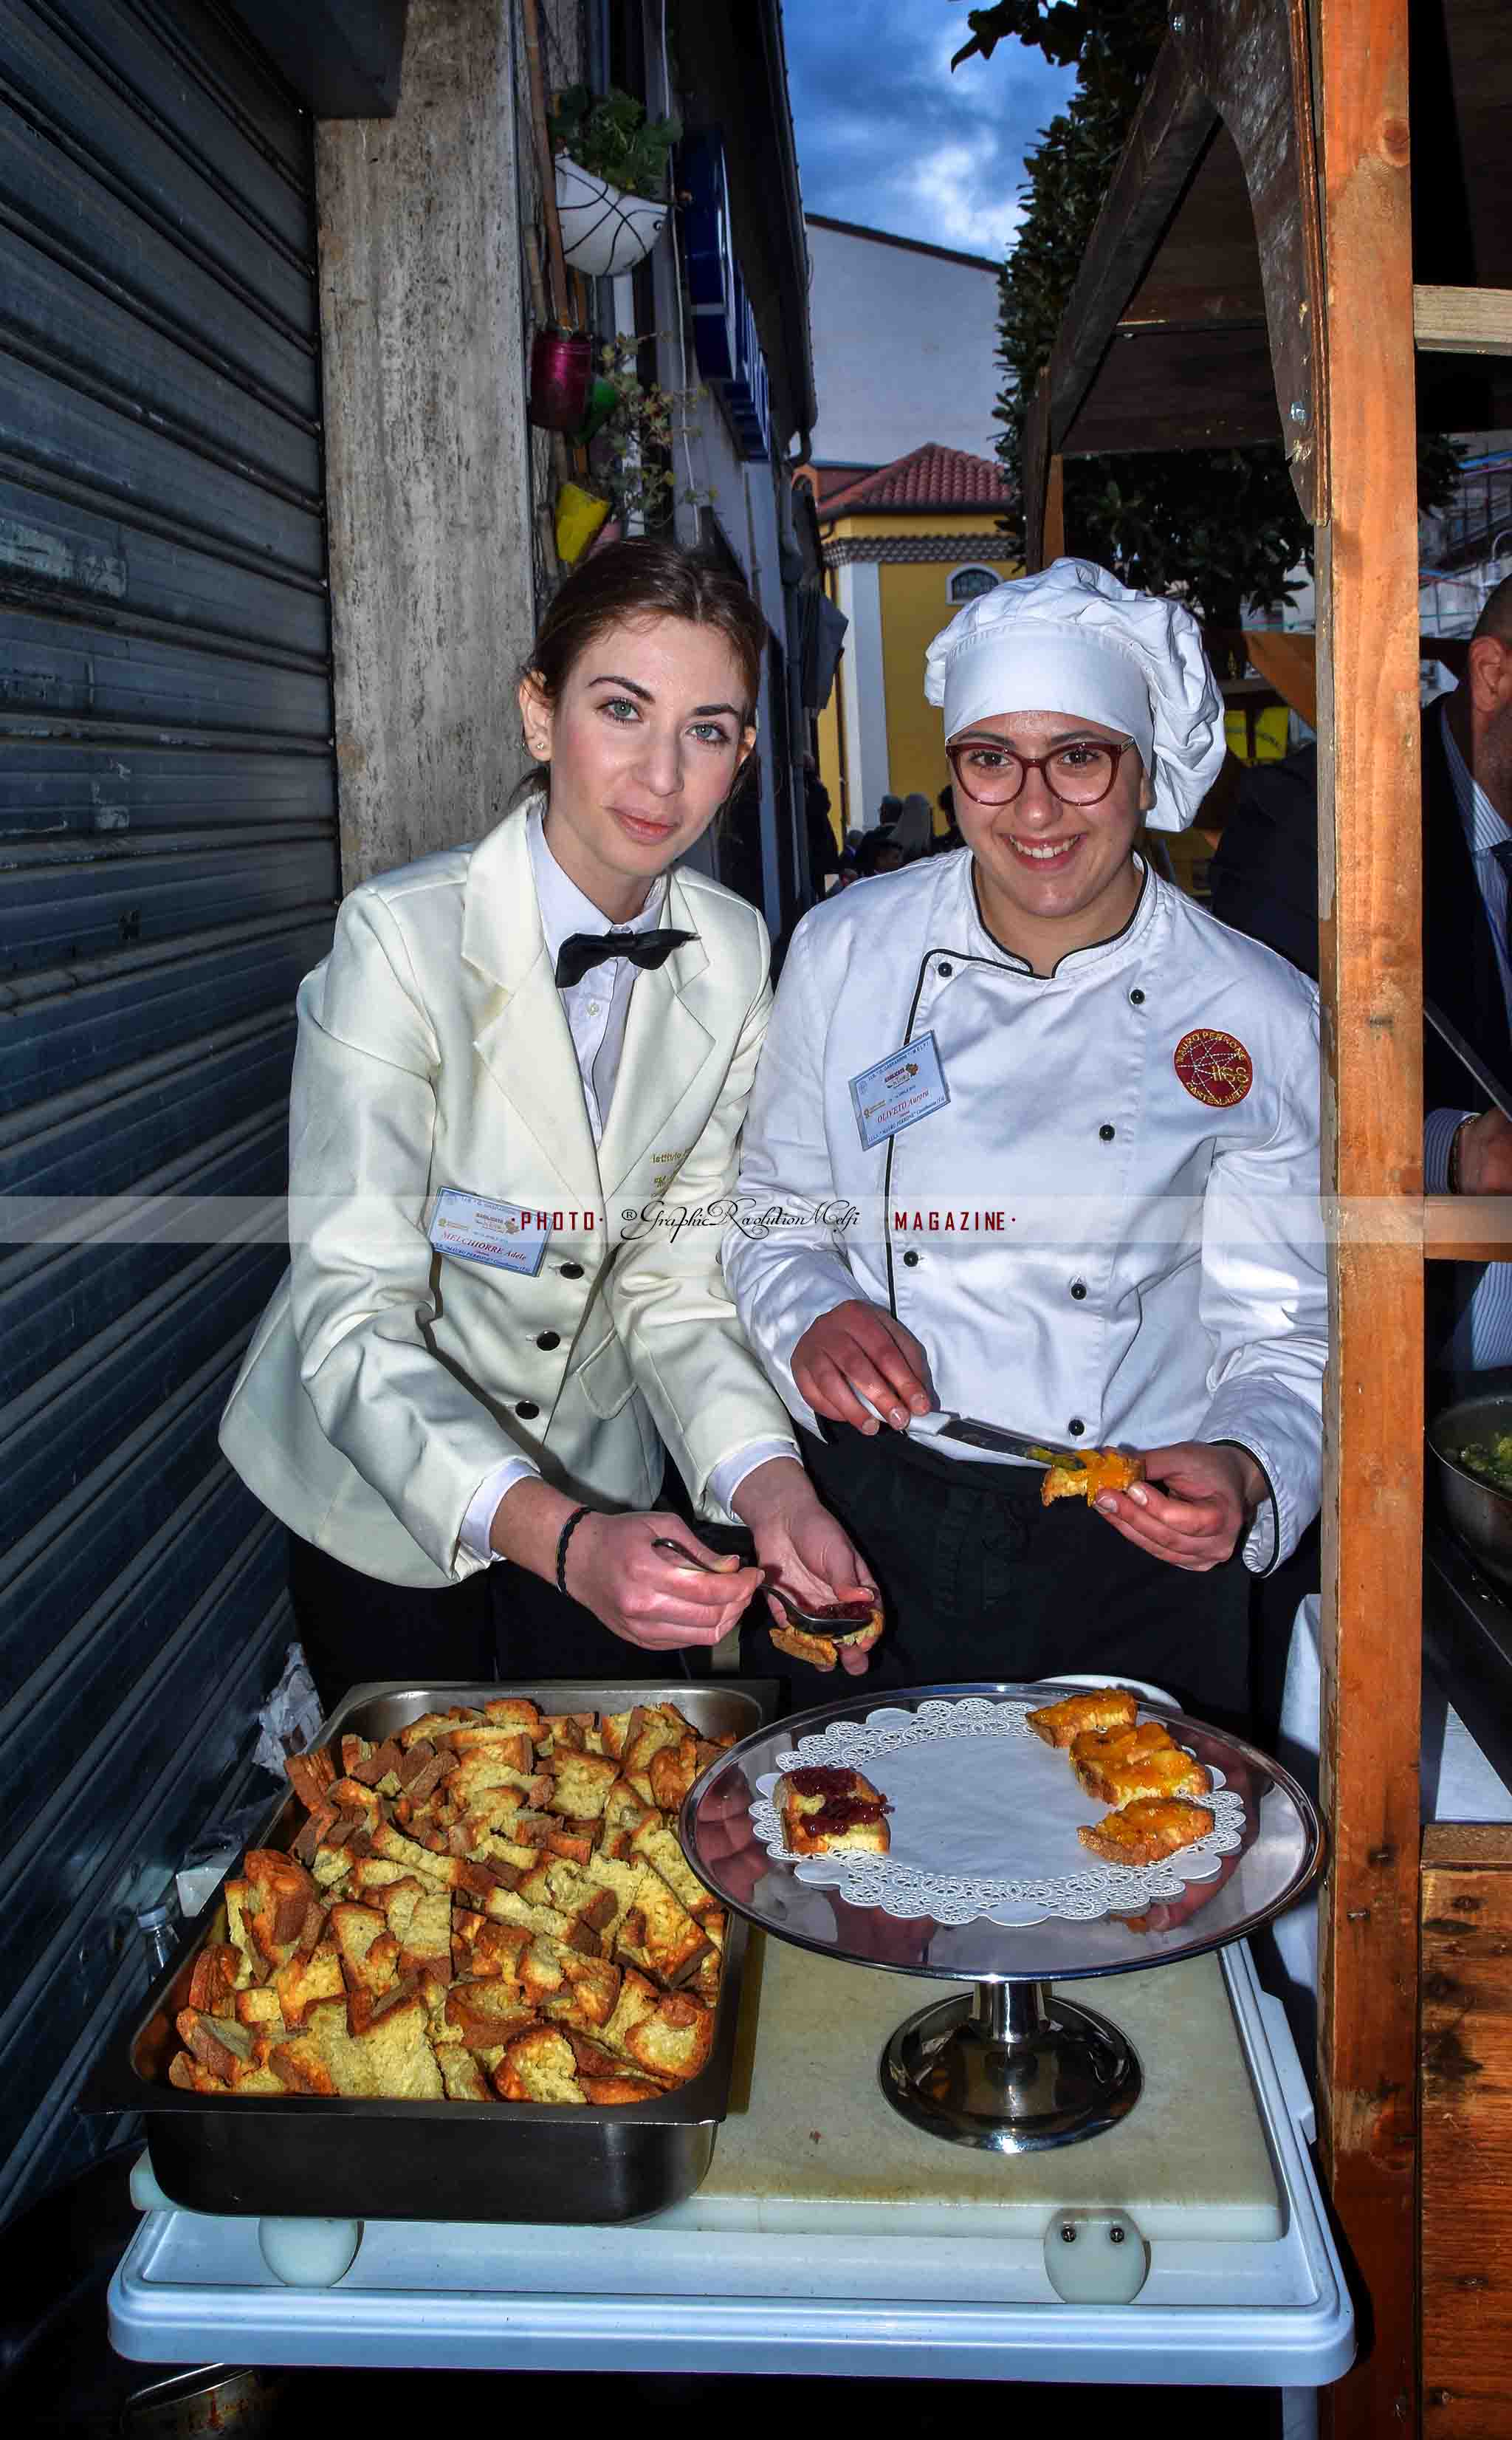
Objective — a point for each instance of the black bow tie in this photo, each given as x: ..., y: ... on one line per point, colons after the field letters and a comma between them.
x: 581, y: 950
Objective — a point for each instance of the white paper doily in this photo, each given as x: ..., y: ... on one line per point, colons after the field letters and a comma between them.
x: 974, y: 1791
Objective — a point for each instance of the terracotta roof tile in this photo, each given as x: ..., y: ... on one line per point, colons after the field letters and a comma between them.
x: 929, y: 478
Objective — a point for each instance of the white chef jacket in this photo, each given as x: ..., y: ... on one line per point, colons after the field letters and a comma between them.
x: 1106, y: 1235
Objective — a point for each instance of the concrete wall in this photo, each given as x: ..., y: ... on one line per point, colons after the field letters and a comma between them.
x: 904, y: 343
x: 423, y: 332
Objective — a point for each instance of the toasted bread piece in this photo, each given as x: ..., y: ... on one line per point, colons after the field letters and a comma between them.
x: 219, y: 1973
x: 308, y: 1979
x: 487, y: 2014
x: 432, y: 1725
x: 559, y: 1984
x: 658, y: 1935
x: 310, y: 1774
x: 1167, y: 1772
x: 367, y: 1949
x: 823, y: 1808
x: 1089, y: 1473
x: 819, y: 1648
x: 508, y: 1906
x: 420, y: 1921
x: 395, y: 2040
x: 469, y: 1779
x: 1151, y: 1828
x: 259, y: 2009
x: 1120, y: 1745
x: 488, y: 1950
x: 1104, y: 1707
x: 461, y: 2075
x: 281, y: 1892
x: 581, y: 1784
x: 672, y: 1773
x: 622, y: 1876
x: 553, y: 1882
x: 507, y: 1745
x: 513, y: 1712
x: 674, y: 2038
x: 613, y: 2091
x: 539, y: 2066
x: 662, y: 1848
x: 704, y: 1980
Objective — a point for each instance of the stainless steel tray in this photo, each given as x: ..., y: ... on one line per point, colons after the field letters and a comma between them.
x: 425, y: 2160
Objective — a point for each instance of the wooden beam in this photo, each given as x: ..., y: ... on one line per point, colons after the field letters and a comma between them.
x: 1467, y: 1228
x: 1288, y: 659
x: 1466, y: 2102
x: 1463, y: 321
x: 1053, y: 542
x: 1173, y: 123
x: 1251, y: 58
x: 1370, y: 906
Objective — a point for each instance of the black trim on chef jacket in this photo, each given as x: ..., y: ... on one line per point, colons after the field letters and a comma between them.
x: 1021, y: 966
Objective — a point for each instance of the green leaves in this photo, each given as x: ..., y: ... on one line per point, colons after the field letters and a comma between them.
x: 610, y: 136
x: 1219, y: 526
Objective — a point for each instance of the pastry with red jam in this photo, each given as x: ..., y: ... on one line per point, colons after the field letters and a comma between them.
x: 857, y: 1623
x: 824, y: 1808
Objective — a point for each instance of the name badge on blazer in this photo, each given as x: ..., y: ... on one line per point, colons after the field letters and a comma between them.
x: 478, y: 1228
x: 899, y: 1090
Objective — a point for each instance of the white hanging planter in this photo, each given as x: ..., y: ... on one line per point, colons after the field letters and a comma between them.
x: 603, y: 230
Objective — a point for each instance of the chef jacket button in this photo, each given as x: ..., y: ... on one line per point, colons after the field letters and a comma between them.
x: 1107, y: 1134
x: 944, y: 969
x: 528, y: 1407
x: 1078, y: 1289
x: 1075, y: 1427
x: 549, y: 1338
x: 572, y: 1270
x: 911, y: 1259
x: 1138, y: 997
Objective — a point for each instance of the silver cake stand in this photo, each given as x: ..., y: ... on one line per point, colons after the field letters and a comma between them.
x: 1011, y: 2065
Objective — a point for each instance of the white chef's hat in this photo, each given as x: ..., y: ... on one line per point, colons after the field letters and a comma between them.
x: 1074, y: 639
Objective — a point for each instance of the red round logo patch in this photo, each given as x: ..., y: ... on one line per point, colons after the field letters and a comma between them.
x: 1215, y: 1067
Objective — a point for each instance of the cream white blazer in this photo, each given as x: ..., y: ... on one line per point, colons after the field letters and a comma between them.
x: 385, y: 1381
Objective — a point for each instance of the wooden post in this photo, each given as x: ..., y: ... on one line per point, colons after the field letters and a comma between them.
x: 1053, y: 543
x: 1370, y: 906
x: 1467, y: 2129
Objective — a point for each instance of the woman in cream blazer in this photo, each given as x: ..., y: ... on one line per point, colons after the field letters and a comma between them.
x: 506, y: 1153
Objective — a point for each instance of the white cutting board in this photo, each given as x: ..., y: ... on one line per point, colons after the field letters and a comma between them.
x: 811, y: 2142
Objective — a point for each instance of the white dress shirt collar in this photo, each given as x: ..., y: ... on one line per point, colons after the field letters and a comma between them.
x: 564, y: 909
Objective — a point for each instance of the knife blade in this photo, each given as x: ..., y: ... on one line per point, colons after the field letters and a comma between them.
x: 977, y: 1434
x: 1469, y: 1060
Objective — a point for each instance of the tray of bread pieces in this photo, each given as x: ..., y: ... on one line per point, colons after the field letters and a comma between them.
x: 997, y: 1832
x: 465, y: 1971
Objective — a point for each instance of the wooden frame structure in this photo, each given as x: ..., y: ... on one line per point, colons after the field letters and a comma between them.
x: 1253, y: 272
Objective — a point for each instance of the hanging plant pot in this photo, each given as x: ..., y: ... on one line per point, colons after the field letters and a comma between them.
x: 579, y: 514
x: 603, y: 230
x: 561, y: 364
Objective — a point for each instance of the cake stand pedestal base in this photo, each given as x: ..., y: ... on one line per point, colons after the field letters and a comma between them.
x: 1011, y: 2066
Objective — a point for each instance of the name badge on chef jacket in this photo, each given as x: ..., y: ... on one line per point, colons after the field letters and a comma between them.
x: 477, y: 1229
x: 899, y: 1090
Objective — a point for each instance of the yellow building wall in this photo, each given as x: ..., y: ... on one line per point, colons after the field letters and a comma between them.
x: 915, y: 607
x: 827, y: 726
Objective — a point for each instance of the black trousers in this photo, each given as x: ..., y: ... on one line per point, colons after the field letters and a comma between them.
x: 503, y: 1622
x: 981, y: 1580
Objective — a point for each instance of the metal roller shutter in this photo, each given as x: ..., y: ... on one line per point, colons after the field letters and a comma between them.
x: 168, y: 873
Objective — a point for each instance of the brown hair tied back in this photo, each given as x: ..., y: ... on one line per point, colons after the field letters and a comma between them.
x: 645, y: 580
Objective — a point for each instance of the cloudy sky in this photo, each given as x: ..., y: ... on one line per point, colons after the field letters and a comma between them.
x: 888, y: 137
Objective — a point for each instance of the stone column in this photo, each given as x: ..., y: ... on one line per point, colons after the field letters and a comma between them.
x: 426, y: 439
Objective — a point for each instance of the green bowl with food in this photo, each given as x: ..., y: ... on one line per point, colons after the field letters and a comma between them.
x: 1471, y: 1447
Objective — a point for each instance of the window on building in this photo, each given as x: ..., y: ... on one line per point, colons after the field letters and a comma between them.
x: 965, y: 583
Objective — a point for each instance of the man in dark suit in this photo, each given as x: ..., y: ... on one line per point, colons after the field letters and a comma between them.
x: 1265, y: 883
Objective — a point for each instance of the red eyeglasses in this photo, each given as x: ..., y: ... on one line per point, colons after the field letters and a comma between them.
x: 1080, y: 772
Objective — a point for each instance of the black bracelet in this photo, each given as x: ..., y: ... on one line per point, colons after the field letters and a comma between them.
x: 563, y: 1539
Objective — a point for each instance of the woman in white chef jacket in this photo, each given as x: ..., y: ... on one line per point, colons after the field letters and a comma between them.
x: 458, y: 1396
x: 1060, y: 1130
